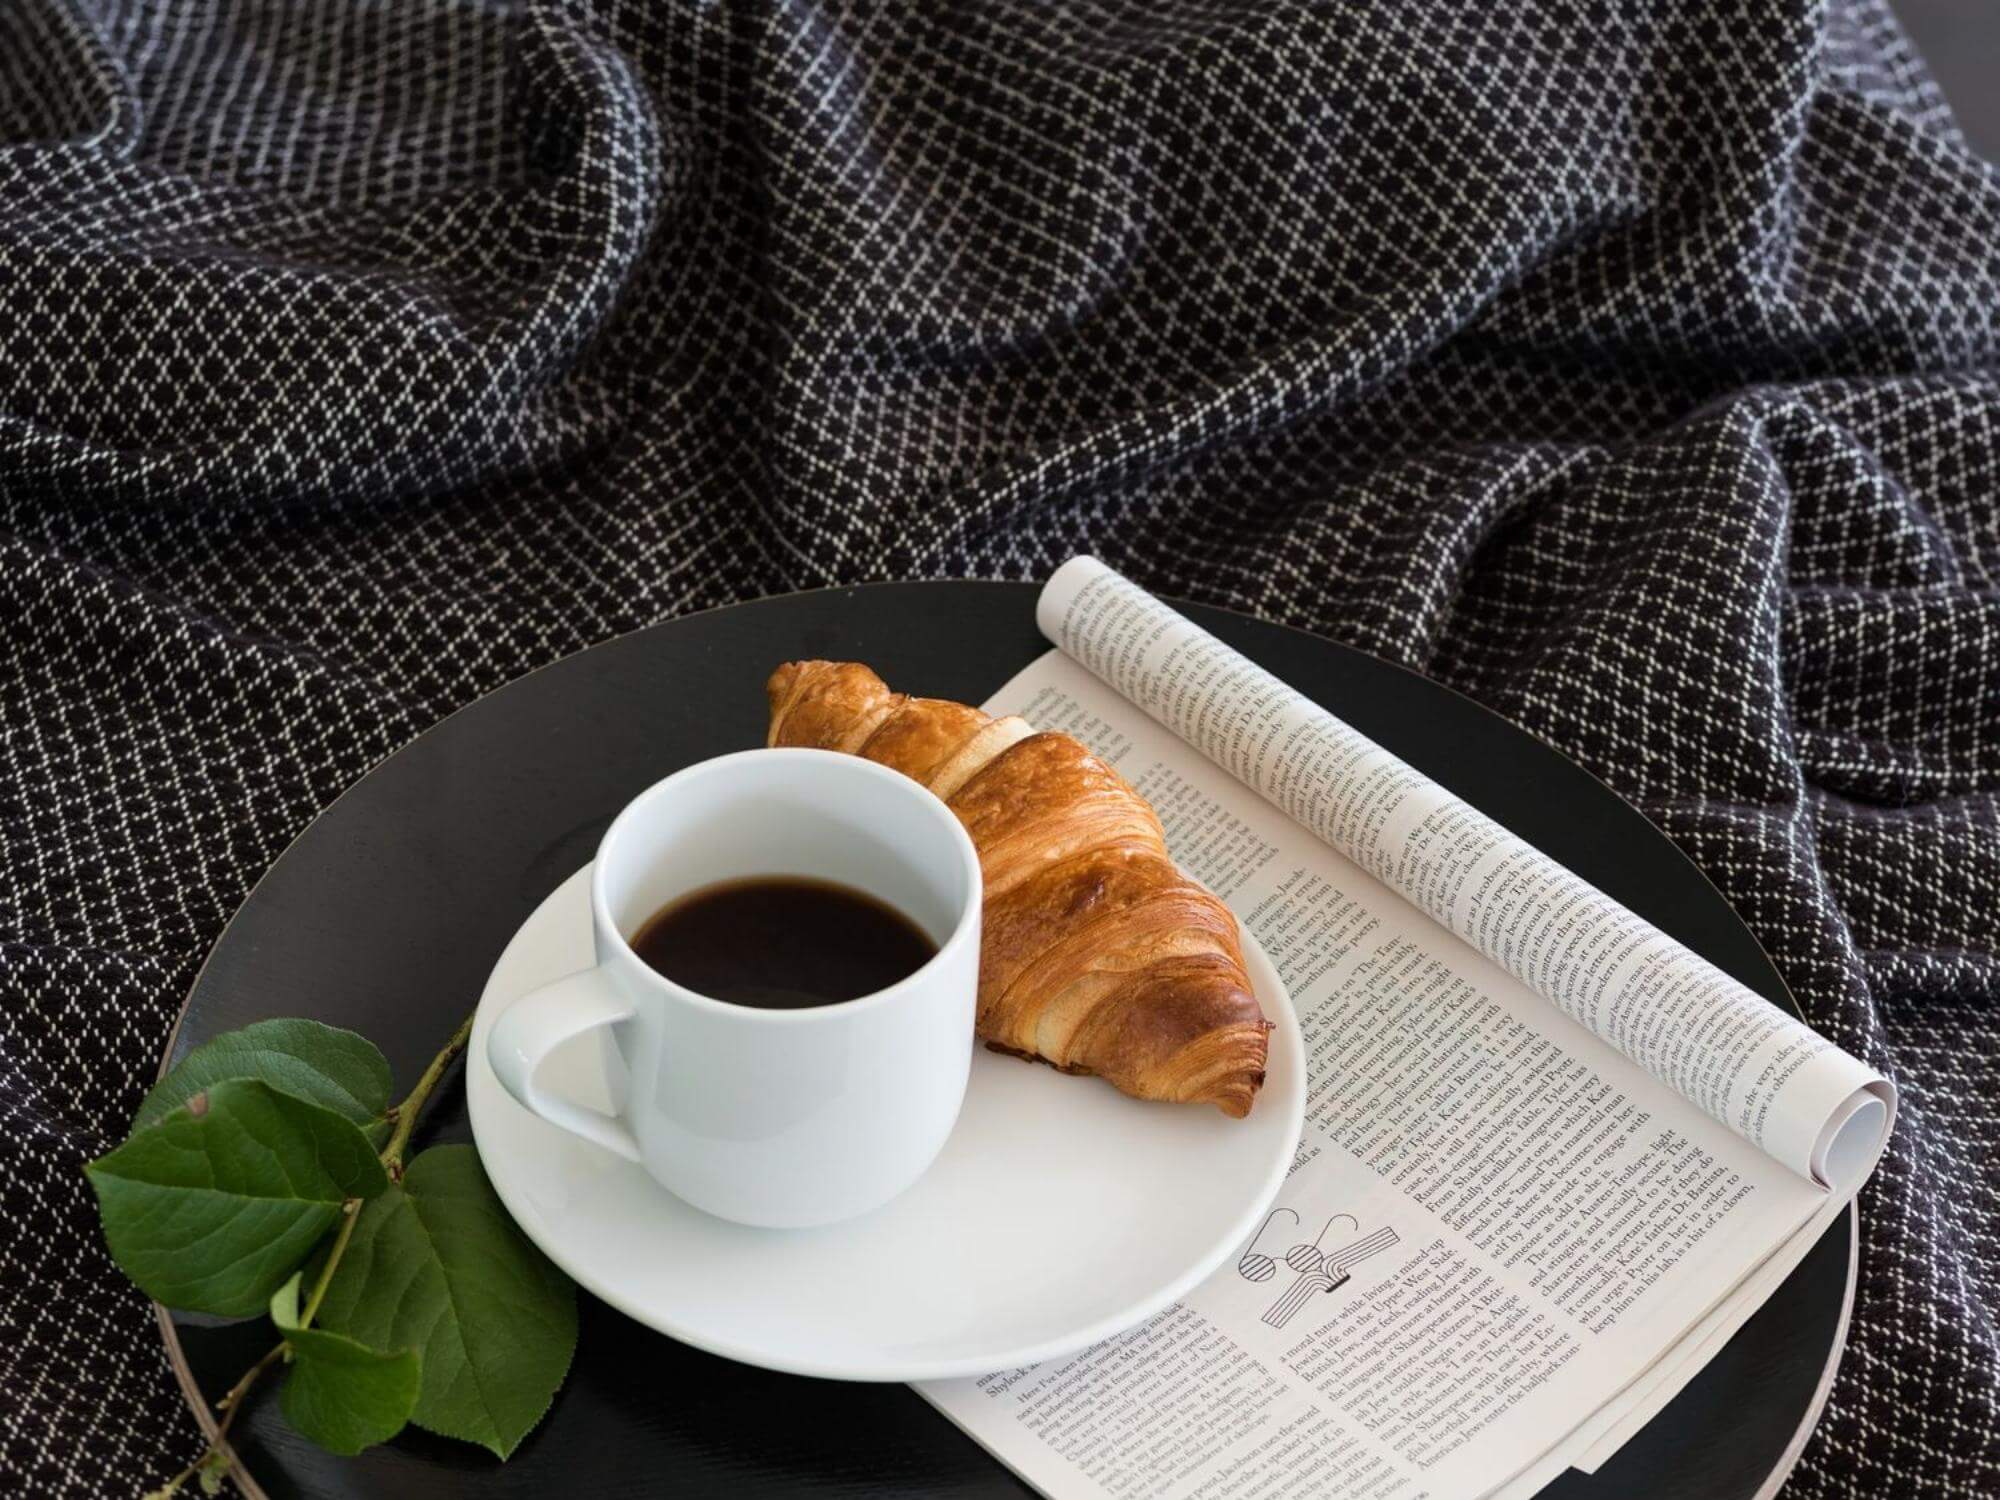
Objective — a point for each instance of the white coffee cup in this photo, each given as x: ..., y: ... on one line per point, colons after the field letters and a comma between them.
x: 777, y: 1118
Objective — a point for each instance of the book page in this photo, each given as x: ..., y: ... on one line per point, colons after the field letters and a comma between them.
x: 1495, y: 1223
x: 1744, y: 1061
x: 1611, y: 1428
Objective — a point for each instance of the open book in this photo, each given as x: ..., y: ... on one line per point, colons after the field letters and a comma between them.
x: 1552, y: 1158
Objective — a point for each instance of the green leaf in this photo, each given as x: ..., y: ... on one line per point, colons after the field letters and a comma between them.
x: 342, y: 1394
x: 339, y: 1070
x: 213, y: 1207
x: 437, y: 1264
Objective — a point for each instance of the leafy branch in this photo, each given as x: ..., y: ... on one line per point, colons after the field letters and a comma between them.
x: 253, y: 1165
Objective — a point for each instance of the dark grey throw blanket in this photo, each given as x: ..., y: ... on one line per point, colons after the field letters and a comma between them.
x: 1629, y: 367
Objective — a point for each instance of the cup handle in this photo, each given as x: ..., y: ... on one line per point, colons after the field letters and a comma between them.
x: 533, y: 1027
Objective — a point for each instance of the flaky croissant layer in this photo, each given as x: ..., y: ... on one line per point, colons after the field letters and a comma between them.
x: 1098, y: 955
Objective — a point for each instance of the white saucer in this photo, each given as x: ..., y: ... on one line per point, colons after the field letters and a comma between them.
x: 1059, y: 1213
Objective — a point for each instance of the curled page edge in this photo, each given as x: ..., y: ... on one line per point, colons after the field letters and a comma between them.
x: 1836, y: 1146
x: 1851, y: 1143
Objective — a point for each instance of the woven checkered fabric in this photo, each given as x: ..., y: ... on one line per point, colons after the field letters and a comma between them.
x: 1631, y: 367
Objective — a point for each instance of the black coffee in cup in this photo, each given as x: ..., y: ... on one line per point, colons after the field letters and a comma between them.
x: 782, y: 943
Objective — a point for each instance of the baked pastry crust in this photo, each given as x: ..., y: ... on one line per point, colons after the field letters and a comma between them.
x: 1097, y: 955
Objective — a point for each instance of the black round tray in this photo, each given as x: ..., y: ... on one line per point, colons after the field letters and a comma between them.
x: 388, y: 912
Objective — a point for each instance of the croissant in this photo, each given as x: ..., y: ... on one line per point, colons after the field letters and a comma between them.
x: 1097, y: 954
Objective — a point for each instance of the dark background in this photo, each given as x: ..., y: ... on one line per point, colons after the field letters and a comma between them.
x: 1960, y: 39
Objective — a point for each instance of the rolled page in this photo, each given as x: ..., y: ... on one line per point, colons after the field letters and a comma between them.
x: 1749, y: 1064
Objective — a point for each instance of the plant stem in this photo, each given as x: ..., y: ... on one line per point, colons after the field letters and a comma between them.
x: 351, y: 1214
x: 405, y: 1115
x: 419, y: 1096
x: 232, y: 1403
x: 229, y: 1406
